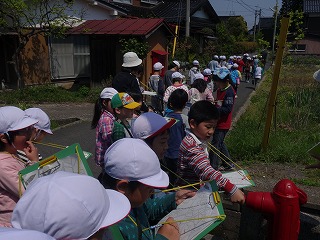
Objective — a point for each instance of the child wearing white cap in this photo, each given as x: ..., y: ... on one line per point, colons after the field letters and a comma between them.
x: 66, y: 205
x: 102, y: 121
x: 194, y: 70
x: 153, y: 129
x: 176, y: 84
x: 40, y: 129
x: 133, y: 169
x: 174, y: 66
x: 199, y: 90
x: 156, y: 84
x: 15, y: 132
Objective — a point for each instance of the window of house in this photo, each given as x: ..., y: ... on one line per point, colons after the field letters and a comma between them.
x: 150, y: 1
x: 123, y: 1
x: 70, y: 57
x: 298, y: 48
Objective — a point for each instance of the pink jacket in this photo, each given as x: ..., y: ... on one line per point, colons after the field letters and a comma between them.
x: 9, y: 186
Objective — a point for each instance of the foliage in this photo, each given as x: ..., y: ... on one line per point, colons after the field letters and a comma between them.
x: 291, y: 5
x: 296, y: 28
x: 296, y: 119
x: 33, y: 17
x: 237, y: 27
x: 136, y: 45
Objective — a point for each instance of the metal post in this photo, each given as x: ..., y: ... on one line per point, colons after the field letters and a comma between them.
x: 188, y: 19
x: 275, y: 80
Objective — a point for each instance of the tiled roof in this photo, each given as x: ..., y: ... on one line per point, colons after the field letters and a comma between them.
x: 175, y: 10
x: 121, y: 26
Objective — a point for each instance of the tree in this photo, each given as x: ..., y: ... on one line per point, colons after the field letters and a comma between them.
x: 30, y: 18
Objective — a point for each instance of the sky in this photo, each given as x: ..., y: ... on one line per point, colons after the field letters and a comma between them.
x: 245, y: 8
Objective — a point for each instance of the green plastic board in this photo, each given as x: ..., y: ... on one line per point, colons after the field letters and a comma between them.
x: 70, y: 159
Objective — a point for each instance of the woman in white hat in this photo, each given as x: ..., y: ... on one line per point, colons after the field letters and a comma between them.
x: 126, y: 81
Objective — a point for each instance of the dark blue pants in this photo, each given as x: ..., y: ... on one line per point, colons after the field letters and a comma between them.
x: 218, y: 143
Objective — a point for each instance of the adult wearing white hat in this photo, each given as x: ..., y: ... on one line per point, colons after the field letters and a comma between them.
x: 126, y: 81
x: 66, y: 205
x: 15, y: 132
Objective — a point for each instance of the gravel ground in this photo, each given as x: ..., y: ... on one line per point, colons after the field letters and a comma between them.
x: 266, y: 176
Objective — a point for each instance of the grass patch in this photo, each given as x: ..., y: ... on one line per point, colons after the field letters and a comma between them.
x: 48, y: 94
x: 311, y: 179
x: 295, y: 126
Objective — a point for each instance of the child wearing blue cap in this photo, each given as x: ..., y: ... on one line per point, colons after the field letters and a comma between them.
x: 225, y: 102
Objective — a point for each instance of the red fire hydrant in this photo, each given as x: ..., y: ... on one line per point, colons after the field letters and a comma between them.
x: 281, y: 208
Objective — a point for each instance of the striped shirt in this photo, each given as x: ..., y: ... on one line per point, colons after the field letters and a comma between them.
x: 194, y: 165
x: 103, y: 136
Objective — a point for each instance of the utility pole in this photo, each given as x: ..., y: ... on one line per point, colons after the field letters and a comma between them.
x: 255, y: 25
x: 259, y: 20
x: 275, y: 80
x: 275, y: 27
x: 188, y: 19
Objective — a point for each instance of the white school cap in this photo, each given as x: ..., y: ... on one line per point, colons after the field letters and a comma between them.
x: 13, y: 118
x: 18, y: 234
x: 207, y: 72
x: 108, y: 92
x: 43, y: 119
x: 199, y: 76
x: 177, y: 75
x: 133, y: 160
x: 316, y: 76
x: 176, y: 63
x: 67, y: 205
x: 157, y: 66
x: 150, y: 124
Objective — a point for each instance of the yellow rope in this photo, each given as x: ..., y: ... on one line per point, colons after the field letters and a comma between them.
x: 79, y: 160
x: 189, y: 184
x: 148, y: 88
x: 217, y: 152
x: 51, y: 145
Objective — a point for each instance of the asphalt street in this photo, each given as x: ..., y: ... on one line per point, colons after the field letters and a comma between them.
x: 80, y: 131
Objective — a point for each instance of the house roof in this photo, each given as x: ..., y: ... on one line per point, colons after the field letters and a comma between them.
x: 120, y: 26
x: 173, y: 11
x: 267, y: 23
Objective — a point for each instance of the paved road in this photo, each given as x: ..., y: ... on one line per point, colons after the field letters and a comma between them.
x: 80, y: 132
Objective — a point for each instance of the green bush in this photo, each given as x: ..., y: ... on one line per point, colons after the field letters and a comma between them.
x: 295, y: 126
x: 48, y: 94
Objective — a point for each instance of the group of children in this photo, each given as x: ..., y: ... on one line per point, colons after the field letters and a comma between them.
x: 137, y: 151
